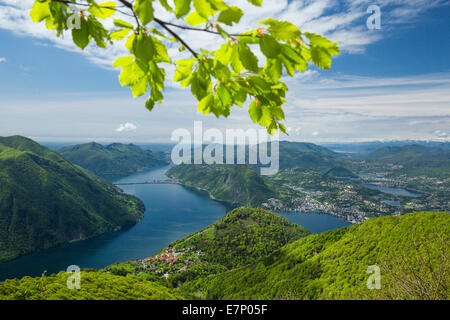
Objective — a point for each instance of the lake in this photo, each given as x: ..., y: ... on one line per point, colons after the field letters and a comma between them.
x: 399, y: 192
x: 315, y: 222
x: 173, y: 212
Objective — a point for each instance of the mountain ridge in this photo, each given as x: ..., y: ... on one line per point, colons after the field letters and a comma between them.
x: 47, y: 201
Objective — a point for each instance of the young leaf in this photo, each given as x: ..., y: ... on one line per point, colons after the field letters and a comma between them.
x: 248, y: 58
x: 122, y: 24
x: 40, y: 11
x: 255, y: 112
x: 194, y: 19
x: 321, y: 57
x: 182, y: 7
x: 165, y: 5
x: 81, y: 36
x: 150, y: 104
x: 274, y: 69
x: 139, y: 87
x: 256, y: 2
x: 143, y: 48
x: 103, y: 10
x: 119, y: 34
x: 230, y: 15
x: 269, y: 46
x: 203, y: 8
x: 282, y: 30
x: 144, y: 10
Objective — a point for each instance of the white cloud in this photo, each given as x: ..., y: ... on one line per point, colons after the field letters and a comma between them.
x: 339, y: 107
x: 339, y: 20
x: 2, y: 59
x: 126, y: 127
x: 441, y: 134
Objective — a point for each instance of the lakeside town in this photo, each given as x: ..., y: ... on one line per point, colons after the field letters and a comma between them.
x: 369, y: 195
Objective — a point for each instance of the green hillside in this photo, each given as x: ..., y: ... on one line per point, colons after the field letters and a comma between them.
x: 308, y: 156
x: 340, y: 172
x: 402, y: 153
x: 411, y: 251
x: 415, y: 160
x: 241, y: 238
x: 46, y: 201
x: 238, y: 184
x: 113, y: 161
x: 94, y: 285
x: 255, y: 254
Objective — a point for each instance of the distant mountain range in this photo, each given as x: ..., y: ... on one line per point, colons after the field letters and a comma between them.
x: 113, y: 161
x: 46, y: 201
x: 368, y: 147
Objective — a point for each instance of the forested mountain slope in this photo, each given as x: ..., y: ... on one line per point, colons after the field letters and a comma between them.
x: 46, y: 201
x: 411, y: 251
x: 113, y: 161
x: 237, y: 184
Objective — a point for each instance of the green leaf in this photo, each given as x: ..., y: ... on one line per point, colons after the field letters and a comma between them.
x: 269, y: 46
x: 230, y: 15
x: 144, y: 10
x: 218, y: 5
x: 194, y: 19
x: 236, y: 63
x: 321, y: 57
x: 198, y: 87
x: 256, y: 2
x: 143, y: 48
x: 97, y: 31
x: 203, y: 8
x: 223, y: 96
x: 81, y: 36
x: 119, y: 34
x: 123, y: 61
x: 40, y: 11
x: 182, y: 7
x: 184, y: 69
x: 161, y: 50
x: 255, y: 112
x: 221, y: 72
x: 139, y: 87
x: 248, y: 58
x: 131, y: 74
x: 165, y: 5
x: 317, y: 40
x: 205, y: 104
x: 274, y: 69
x: 282, y: 30
x: 239, y: 95
x: 224, y: 54
x: 103, y: 10
x: 150, y: 104
x: 122, y: 24
x: 130, y: 42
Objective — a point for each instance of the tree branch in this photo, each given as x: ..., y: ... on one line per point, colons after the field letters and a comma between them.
x: 162, y: 24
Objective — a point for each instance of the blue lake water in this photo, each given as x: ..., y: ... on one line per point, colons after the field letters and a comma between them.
x: 315, y: 222
x: 172, y: 213
x: 392, y: 191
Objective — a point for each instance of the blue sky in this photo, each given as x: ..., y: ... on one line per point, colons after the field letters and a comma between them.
x: 388, y: 84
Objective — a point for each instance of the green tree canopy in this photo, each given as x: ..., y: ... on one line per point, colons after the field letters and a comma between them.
x: 219, y: 80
